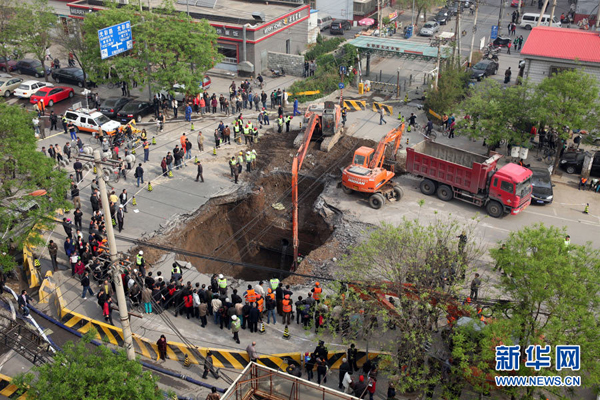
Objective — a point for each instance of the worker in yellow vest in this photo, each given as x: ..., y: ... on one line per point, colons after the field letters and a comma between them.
x: 236, y: 131
x: 248, y: 161
x: 222, y: 282
x: 279, y: 124
x: 240, y: 162
x: 288, y: 119
x: 247, y: 137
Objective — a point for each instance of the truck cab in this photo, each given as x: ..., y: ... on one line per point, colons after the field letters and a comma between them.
x: 511, y: 186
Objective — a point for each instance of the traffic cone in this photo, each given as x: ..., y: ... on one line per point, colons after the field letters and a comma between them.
x: 262, y: 328
x: 153, y: 140
x: 300, y: 124
x: 407, y: 141
x: 170, y: 174
x: 186, y: 361
x: 36, y: 263
x: 114, y: 222
x: 149, y: 186
x: 408, y: 128
x: 286, y: 333
x: 406, y: 98
x: 134, y: 201
x: 214, y: 151
x: 586, y: 210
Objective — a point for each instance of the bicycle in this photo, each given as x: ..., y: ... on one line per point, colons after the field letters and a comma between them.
x: 430, y: 137
x: 111, y: 85
x: 548, y: 155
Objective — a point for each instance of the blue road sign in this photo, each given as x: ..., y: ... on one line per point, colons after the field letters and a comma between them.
x: 342, y: 69
x: 341, y: 85
x: 494, y: 33
x: 115, y: 39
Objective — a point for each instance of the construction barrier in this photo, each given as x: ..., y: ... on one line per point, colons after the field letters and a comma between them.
x: 47, y: 288
x: 178, y: 351
x: 307, y: 93
x: 386, y: 108
x: 355, y: 105
x: 9, y: 390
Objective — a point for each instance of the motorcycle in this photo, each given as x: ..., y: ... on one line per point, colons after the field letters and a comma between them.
x: 277, y: 73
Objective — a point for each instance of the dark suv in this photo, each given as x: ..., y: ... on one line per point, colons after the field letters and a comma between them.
x: 31, y: 67
x: 572, y: 162
x: 338, y: 26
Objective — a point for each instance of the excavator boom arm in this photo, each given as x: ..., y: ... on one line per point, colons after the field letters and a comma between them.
x: 395, y: 135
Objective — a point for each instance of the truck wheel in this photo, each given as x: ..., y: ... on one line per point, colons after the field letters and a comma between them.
x: 444, y: 192
x: 376, y: 201
x: 427, y: 187
x: 347, y: 190
x: 398, y: 193
x: 495, y: 209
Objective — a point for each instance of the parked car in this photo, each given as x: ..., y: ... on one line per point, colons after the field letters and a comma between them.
x: 515, y: 3
x: 7, y: 65
x: 429, y: 29
x: 52, y: 95
x: 111, y: 106
x: 27, y: 88
x: 442, y: 17
x: 572, y: 162
x: 541, y: 184
x: 483, y: 69
x: 135, y: 110
x: 346, y: 25
x: 28, y: 66
x: 70, y: 75
x: 336, y: 28
x: 8, y: 84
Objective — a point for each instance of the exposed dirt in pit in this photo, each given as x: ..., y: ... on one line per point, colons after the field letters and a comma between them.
x: 250, y: 229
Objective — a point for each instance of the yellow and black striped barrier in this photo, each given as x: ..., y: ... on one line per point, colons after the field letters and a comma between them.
x: 355, y: 105
x: 385, y: 107
x: 9, y: 390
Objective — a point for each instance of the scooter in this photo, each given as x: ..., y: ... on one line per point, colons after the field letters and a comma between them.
x: 277, y: 73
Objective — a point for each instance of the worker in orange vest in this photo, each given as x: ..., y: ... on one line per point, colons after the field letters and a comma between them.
x: 317, y: 292
x: 271, y: 294
x: 287, y: 309
x: 250, y: 295
x: 261, y: 303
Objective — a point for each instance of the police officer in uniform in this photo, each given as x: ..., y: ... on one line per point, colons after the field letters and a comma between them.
x: 222, y: 282
x: 140, y: 262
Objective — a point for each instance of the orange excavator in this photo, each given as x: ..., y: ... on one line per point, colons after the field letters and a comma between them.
x: 313, y: 124
x: 367, y: 173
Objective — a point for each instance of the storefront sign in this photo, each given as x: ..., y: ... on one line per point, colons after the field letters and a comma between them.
x: 282, y: 22
x: 80, y: 11
x: 393, y: 16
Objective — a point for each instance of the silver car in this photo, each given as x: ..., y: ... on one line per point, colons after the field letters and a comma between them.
x: 429, y: 29
x: 8, y: 84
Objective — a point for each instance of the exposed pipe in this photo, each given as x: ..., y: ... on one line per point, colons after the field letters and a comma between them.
x: 244, y: 42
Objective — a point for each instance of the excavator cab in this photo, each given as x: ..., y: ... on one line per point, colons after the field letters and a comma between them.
x: 363, y: 156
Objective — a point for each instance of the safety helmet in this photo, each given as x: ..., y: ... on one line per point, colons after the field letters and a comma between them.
x: 241, y: 153
x: 234, y: 317
x: 220, y: 276
x: 317, y: 283
x: 141, y: 252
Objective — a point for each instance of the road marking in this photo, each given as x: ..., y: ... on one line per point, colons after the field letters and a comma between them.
x: 562, y: 218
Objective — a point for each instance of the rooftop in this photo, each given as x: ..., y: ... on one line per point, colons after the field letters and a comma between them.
x: 561, y: 43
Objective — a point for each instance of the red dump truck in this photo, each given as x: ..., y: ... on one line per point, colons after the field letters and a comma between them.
x: 454, y: 173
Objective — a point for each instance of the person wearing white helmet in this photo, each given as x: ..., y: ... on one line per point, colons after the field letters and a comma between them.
x: 235, y: 328
x: 140, y: 262
x: 176, y: 272
x: 222, y: 282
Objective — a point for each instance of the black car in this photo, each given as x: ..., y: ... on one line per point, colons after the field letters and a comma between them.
x: 70, y: 75
x: 442, y: 17
x: 111, y: 106
x: 572, y: 162
x: 541, y: 186
x: 501, y: 41
x: 338, y: 27
x: 483, y: 69
x: 28, y: 66
x: 135, y: 110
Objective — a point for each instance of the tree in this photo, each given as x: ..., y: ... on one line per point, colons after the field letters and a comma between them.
x: 73, y: 42
x: 452, y: 88
x: 498, y: 114
x: 23, y: 170
x: 37, y: 19
x: 169, y: 48
x: 423, y: 267
x: 10, y: 29
x: 85, y: 371
x: 554, y: 295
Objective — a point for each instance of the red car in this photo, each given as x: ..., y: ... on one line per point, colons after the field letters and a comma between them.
x: 52, y: 95
x: 7, y: 65
x: 515, y: 3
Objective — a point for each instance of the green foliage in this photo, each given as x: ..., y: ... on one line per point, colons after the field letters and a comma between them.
x: 74, y: 43
x: 452, y: 88
x: 37, y: 20
x: 178, y: 49
x: 425, y: 256
x: 24, y: 169
x: 497, y: 113
x: 10, y: 29
x: 325, y: 46
x: 84, y: 371
x: 327, y: 76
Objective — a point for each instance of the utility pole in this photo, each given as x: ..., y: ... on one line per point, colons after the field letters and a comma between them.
x: 500, y: 16
x: 458, y: 33
x: 598, y: 19
x: 552, y: 12
x: 112, y: 247
x: 542, y: 13
x: 474, y: 31
x: 412, y: 15
x: 518, y: 10
x: 379, y: 18
x: 437, y: 63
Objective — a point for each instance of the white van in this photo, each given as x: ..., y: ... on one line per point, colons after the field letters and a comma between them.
x: 530, y: 21
x: 324, y: 22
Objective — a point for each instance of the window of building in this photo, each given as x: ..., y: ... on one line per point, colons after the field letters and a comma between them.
x: 288, y: 46
x: 229, y: 54
x: 557, y: 70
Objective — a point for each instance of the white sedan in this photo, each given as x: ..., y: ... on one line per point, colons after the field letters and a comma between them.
x: 429, y: 29
x: 27, y: 88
